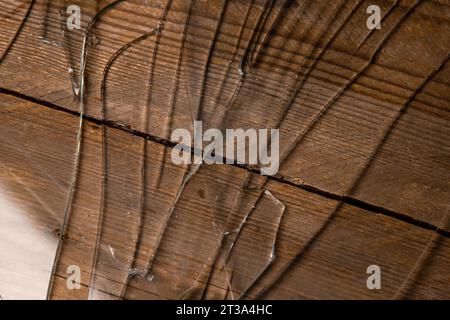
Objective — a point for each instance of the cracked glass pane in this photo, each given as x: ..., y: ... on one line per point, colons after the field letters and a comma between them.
x: 254, y: 248
x: 186, y: 241
x: 92, y: 185
x: 121, y: 217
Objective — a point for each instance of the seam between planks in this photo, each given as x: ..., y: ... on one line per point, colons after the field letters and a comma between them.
x: 309, y: 188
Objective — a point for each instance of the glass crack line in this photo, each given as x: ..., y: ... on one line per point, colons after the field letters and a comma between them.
x: 16, y: 34
x: 173, y: 96
x: 84, y: 55
x: 359, y: 177
x: 104, y: 152
x: 421, y: 261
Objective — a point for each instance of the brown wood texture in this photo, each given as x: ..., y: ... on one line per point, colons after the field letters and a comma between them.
x: 332, y: 267
x: 311, y: 68
x: 364, y: 77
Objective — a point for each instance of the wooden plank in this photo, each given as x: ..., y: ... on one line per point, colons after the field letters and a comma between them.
x: 324, y: 47
x: 333, y: 264
x: 35, y: 168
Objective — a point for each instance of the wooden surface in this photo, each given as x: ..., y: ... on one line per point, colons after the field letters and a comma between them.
x: 332, y: 87
x: 353, y: 240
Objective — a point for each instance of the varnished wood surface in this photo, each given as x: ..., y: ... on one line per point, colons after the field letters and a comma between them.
x: 410, y: 172
x: 332, y: 87
x: 333, y: 266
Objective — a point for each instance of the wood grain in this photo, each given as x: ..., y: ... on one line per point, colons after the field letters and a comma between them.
x: 324, y: 47
x: 334, y: 265
x: 310, y: 68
